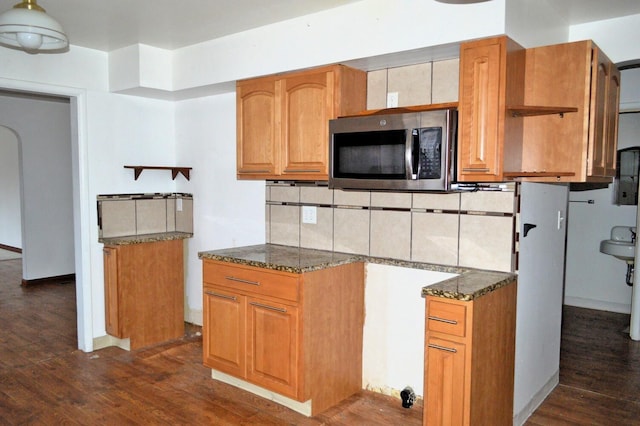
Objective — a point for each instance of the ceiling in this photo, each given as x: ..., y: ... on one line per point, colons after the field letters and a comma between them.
x: 170, y: 24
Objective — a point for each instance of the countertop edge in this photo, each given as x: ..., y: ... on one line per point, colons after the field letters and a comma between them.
x: 145, y: 238
x: 469, y: 284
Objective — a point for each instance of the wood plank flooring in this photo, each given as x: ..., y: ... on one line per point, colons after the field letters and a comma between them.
x: 599, y: 373
x: 45, y: 380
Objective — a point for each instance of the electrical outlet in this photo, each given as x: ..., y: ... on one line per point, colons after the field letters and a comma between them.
x: 392, y: 99
x: 309, y: 214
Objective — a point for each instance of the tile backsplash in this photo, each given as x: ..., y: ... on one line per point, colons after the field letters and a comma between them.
x: 467, y: 229
x: 121, y: 215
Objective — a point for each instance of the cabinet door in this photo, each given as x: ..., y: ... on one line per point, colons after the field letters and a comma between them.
x: 112, y: 298
x: 224, y: 331
x: 258, y: 132
x: 272, y: 346
x: 482, y: 110
x: 612, y: 116
x: 307, y: 106
x: 605, y: 90
x: 600, y: 78
x: 445, y: 383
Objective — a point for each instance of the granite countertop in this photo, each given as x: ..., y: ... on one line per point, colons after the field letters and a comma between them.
x: 468, y: 285
x: 145, y: 238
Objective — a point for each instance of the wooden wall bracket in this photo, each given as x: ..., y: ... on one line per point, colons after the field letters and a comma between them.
x: 184, y: 171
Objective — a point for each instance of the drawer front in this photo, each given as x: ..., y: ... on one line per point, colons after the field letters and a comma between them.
x: 252, y: 280
x: 446, y: 317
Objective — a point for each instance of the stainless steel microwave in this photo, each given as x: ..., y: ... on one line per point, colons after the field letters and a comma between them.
x: 411, y: 151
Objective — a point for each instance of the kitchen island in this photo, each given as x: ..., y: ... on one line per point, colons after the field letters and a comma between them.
x: 293, y: 265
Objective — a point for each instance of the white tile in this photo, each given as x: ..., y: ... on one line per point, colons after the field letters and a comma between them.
x: 435, y: 238
x: 351, y: 231
x: 285, y: 225
x: 316, y: 195
x: 377, y: 89
x: 488, y: 201
x: 391, y: 234
x: 391, y: 199
x: 412, y: 83
x: 445, y: 84
x: 318, y: 235
x: 450, y: 201
x: 151, y: 216
x: 285, y: 194
x: 351, y: 198
x: 118, y: 218
x: 486, y: 242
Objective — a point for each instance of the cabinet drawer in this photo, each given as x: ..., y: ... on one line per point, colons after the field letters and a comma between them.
x: 251, y: 280
x: 446, y: 317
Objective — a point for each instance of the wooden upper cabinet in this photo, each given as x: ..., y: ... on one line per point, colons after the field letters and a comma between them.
x: 257, y: 104
x: 283, y: 121
x: 487, y: 83
x: 578, y: 146
x: 307, y: 107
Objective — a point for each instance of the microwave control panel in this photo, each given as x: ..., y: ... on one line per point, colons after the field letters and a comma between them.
x: 429, y: 158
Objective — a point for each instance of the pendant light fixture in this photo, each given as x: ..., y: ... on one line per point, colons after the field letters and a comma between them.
x: 26, y: 26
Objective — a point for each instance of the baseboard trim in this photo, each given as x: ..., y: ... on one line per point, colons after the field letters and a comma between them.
x: 580, y: 302
x: 304, y: 408
x: 520, y: 418
x: 108, y: 340
x: 60, y: 279
x: 10, y: 248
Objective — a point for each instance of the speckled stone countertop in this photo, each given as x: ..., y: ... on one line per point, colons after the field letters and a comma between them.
x: 468, y: 285
x: 145, y: 238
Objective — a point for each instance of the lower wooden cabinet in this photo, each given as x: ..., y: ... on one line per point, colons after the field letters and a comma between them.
x: 298, y: 335
x: 144, y: 292
x: 470, y: 359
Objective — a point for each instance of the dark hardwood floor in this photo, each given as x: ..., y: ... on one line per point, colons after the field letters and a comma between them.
x: 599, y: 373
x: 45, y: 380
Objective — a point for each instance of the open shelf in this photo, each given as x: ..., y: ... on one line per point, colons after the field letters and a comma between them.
x: 529, y: 111
x: 537, y: 174
x: 184, y: 171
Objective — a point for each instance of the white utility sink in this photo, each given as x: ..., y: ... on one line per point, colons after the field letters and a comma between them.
x: 622, y: 244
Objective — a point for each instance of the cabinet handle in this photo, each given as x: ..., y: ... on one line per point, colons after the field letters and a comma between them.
x: 273, y: 308
x: 303, y: 171
x: 448, y: 321
x: 472, y: 169
x: 249, y: 172
x: 222, y: 296
x: 240, y: 280
x: 442, y: 348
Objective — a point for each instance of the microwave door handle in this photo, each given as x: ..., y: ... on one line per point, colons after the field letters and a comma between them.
x: 415, y: 154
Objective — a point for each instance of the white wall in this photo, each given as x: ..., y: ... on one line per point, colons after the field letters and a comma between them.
x: 227, y: 212
x: 10, y: 211
x: 124, y: 130
x: 43, y: 127
x: 616, y: 37
x: 393, y: 346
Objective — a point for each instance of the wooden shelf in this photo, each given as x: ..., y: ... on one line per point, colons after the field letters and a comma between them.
x: 529, y: 111
x: 537, y: 174
x: 184, y: 171
x: 401, y: 110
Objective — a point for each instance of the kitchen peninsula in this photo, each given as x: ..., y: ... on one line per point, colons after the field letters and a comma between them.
x: 286, y: 323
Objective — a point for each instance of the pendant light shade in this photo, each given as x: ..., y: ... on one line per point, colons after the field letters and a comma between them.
x: 27, y: 27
